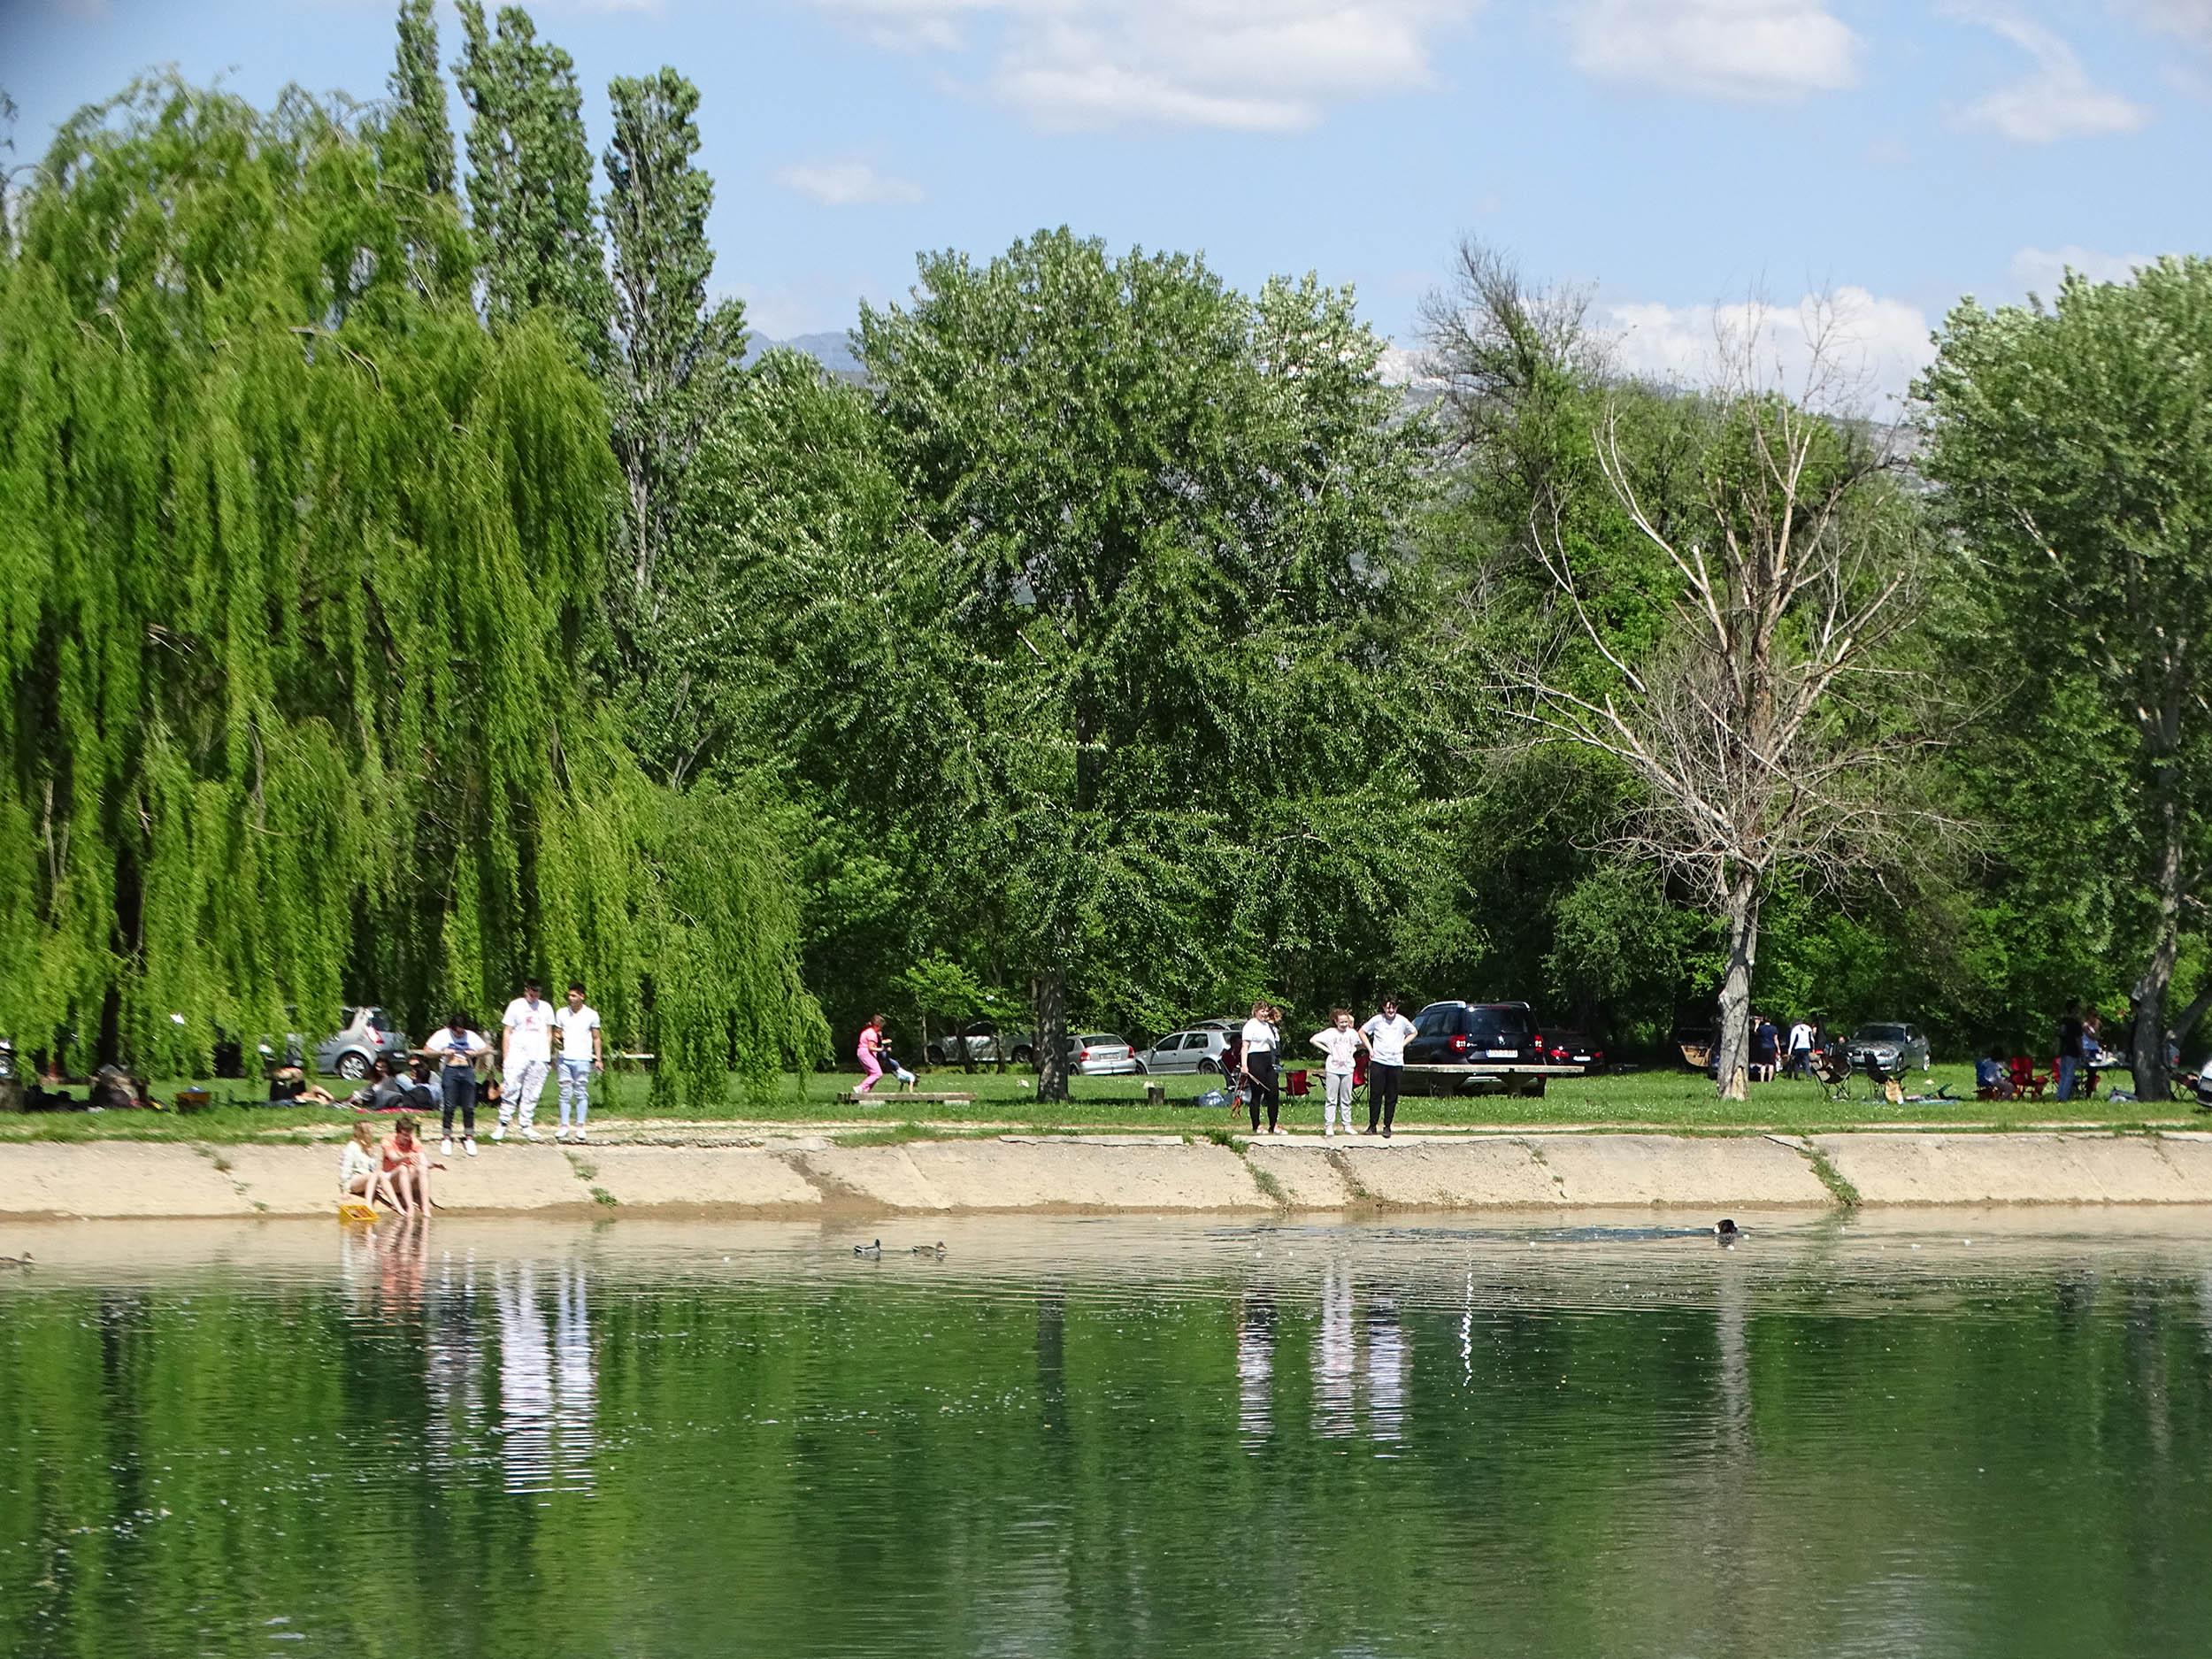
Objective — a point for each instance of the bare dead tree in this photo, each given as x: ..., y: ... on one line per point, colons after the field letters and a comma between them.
x: 1767, y: 728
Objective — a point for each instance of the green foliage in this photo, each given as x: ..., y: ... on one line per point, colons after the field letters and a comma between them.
x: 297, y: 558
x: 418, y: 98
x: 529, y: 182
x: 2075, y: 446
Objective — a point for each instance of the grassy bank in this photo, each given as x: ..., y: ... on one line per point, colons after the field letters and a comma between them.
x: 1673, y: 1100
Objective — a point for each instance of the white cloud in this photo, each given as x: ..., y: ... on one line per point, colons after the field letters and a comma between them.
x: 2040, y: 269
x: 1869, y: 343
x: 2185, y: 20
x: 1748, y: 49
x: 2058, y: 100
x: 1256, y: 65
x: 847, y: 184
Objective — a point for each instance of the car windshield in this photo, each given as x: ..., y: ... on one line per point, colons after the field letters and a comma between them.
x: 1880, y: 1033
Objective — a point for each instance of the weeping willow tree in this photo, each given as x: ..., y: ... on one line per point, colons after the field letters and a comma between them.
x: 299, y: 564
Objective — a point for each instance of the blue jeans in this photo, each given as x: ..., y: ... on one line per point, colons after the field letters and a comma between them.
x: 2066, y: 1067
x: 575, y: 1087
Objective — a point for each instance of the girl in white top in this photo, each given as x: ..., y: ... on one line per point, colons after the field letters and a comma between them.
x: 360, y: 1171
x: 1258, y: 1066
x: 1342, y: 1045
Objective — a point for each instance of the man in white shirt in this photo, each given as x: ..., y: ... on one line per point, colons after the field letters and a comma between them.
x: 1388, y: 1034
x: 582, y: 1052
x: 525, y: 1059
x: 1800, y: 1049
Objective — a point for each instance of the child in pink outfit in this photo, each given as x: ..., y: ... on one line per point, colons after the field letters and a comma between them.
x: 871, y: 1047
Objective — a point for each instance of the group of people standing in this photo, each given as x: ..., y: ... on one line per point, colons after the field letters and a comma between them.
x: 400, y: 1169
x: 1382, y: 1039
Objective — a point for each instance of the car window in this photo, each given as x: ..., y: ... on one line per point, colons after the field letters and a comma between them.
x: 1511, y: 1024
x: 1882, y: 1033
x: 1437, y: 1022
x: 1194, y: 1040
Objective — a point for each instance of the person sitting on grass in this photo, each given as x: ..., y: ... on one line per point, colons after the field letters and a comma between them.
x: 1993, y: 1079
x: 360, y: 1174
x: 407, y: 1166
x: 288, y: 1087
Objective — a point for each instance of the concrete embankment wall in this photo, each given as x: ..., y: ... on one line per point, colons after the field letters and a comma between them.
x: 803, y: 1177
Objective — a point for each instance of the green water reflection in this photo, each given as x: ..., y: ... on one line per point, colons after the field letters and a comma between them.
x: 1112, y: 1440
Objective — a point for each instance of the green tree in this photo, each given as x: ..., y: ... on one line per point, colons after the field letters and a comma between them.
x: 1165, y: 523
x: 2073, y: 443
x: 529, y: 180
x: 674, y: 358
x: 295, y: 561
x: 419, y: 96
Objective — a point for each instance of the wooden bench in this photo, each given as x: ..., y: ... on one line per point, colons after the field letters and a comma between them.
x: 877, y: 1097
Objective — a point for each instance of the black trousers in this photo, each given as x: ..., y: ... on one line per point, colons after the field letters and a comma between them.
x: 1382, y: 1094
x: 458, y: 1085
x: 1260, y: 1064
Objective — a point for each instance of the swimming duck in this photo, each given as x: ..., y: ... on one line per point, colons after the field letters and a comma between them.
x: 24, y: 1260
x: 936, y: 1250
x: 1727, y: 1231
x: 869, y: 1250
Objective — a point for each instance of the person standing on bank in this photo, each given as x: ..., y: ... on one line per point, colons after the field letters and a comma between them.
x: 1258, y: 1068
x: 1388, y: 1034
x: 455, y: 1048
x: 525, y: 1059
x: 2069, y: 1034
x: 583, y: 1051
x: 1801, y: 1051
x: 1342, y: 1045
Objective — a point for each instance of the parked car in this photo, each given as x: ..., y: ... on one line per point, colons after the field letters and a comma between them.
x: 368, y: 1036
x: 1893, y: 1047
x: 1100, y: 1054
x: 984, y: 1042
x: 1572, y: 1047
x: 1470, y: 1034
x: 1198, y: 1049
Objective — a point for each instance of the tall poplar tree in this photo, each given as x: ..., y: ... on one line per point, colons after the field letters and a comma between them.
x: 294, y: 559
x: 419, y: 96
x: 529, y: 180
x: 675, y: 355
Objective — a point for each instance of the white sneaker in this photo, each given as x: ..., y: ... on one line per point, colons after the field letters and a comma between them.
x: 499, y: 1133
x: 1328, y: 1132
x: 580, y: 1134
x: 561, y: 1133
x: 529, y: 1134
x: 445, y: 1147
x: 469, y: 1146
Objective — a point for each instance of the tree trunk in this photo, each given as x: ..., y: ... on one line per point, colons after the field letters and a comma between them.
x: 2147, y: 1043
x: 1048, y: 993
x: 1732, y: 1042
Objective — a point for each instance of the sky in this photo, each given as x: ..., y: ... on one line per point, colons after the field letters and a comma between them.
x: 1678, y: 158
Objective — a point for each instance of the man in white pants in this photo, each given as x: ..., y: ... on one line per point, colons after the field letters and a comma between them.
x: 1342, y: 1045
x: 526, y: 1059
x: 582, y: 1052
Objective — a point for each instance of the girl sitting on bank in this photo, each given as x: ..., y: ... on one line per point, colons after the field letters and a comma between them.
x: 407, y: 1166
x: 360, y: 1174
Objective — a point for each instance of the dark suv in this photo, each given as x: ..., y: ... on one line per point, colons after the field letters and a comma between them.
x: 1469, y: 1034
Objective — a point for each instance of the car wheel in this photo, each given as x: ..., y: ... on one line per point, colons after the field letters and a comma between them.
x: 353, y: 1065
x: 1024, y: 1055
x: 1210, y: 1068
x: 1139, y: 1068
x: 1534, y: 1090
x: 936, y: 1053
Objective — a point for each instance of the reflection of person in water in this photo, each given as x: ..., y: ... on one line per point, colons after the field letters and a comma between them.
x: 1256, y: 1365
x: 547, y: 1387
x: 1387, y: 1360
x: 1335, y: 1355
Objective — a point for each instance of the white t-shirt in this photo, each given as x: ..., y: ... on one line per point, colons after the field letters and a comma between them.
x: 530, y: 1025
x: 457, y: 1047
x: 576, y: 1029
x: 1340, y: 1047
x: 1801, y: 1036
x: 1258, y: 1034
x: 1387, y: 1037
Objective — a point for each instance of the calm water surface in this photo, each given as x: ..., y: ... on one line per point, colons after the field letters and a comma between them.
x: 1108, y: 1438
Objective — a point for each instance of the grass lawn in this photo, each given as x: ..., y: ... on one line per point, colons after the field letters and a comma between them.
x: 1668, y: 1099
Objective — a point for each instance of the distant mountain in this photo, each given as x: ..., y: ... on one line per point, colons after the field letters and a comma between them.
x: 832, y: 351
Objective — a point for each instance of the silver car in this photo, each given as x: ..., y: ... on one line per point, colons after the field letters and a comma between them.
x: 368, y: 1037
x: 1893, y: 1047
x: 1197, y: 1050
x: 1100, y: 1054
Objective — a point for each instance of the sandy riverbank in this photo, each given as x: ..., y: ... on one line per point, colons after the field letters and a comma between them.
x: 800, y: 1177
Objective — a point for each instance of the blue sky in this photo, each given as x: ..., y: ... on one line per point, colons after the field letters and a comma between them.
x: 1673, y: 154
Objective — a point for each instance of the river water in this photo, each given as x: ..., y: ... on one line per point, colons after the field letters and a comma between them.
x: 1918, y: 1435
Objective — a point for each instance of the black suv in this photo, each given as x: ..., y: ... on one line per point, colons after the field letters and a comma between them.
x: 1470, y: 1034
